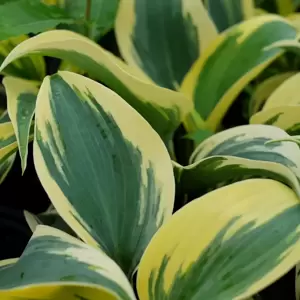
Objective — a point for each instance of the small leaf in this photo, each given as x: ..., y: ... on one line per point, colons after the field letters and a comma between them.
x: 21, y: 99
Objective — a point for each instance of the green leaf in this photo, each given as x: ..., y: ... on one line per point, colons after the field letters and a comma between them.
x: 102, y: 18
x: 199, y: 136
x: 55, y: 265
x: 90, y: 145
x: 29, y: 16
x: 21, y: 99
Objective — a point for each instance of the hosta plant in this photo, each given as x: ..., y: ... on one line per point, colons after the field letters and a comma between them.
x: 194, y: 85
x: 110, y: 176
x: 224, y: 226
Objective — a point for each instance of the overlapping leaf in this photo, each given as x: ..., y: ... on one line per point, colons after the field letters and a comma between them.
x: 220, y: 247
x: 102, y: 18
x: 163, y: 39
x: 29, y: 67
x: 125, y: 172
x: 8, y: 141
x: 231, y: 62
x: 264, y: 90
x: 59, y: 266
x: 29, y: 16
x: 162, y: 108
x: 282, y: 108
x: 237, y: 154
x: 230, y: 12
x: 7, y: 160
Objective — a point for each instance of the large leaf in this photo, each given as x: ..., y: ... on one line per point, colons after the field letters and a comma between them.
x: 31, y: 67
x: 102, y: 15
x: 226, y: 13
x: 55, y: 265
x: 282, y: 108
x: 228, y: 244
x: 163, y: 38
x: 162, y: 108
x: 21, y: 99
x: 236, y: 57
x: 91, y: 145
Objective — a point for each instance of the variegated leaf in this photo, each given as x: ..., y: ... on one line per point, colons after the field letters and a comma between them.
x: 125, y: 172
x: 163, y: 39
x: 213, y: 172
x: 8, y: 141
x: 7, y: 160
x: 226, y: 13
x: 4, y: 117
x: 220, y: 247
x: 55, y: 265
x: 282, y: 108
x: 30, y: 67
x: 21, y: 98
x: 264, y: 90
x: 249, y: 141
x: 162, y: 108
x: 236, y: 57
x: 7, y: 263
